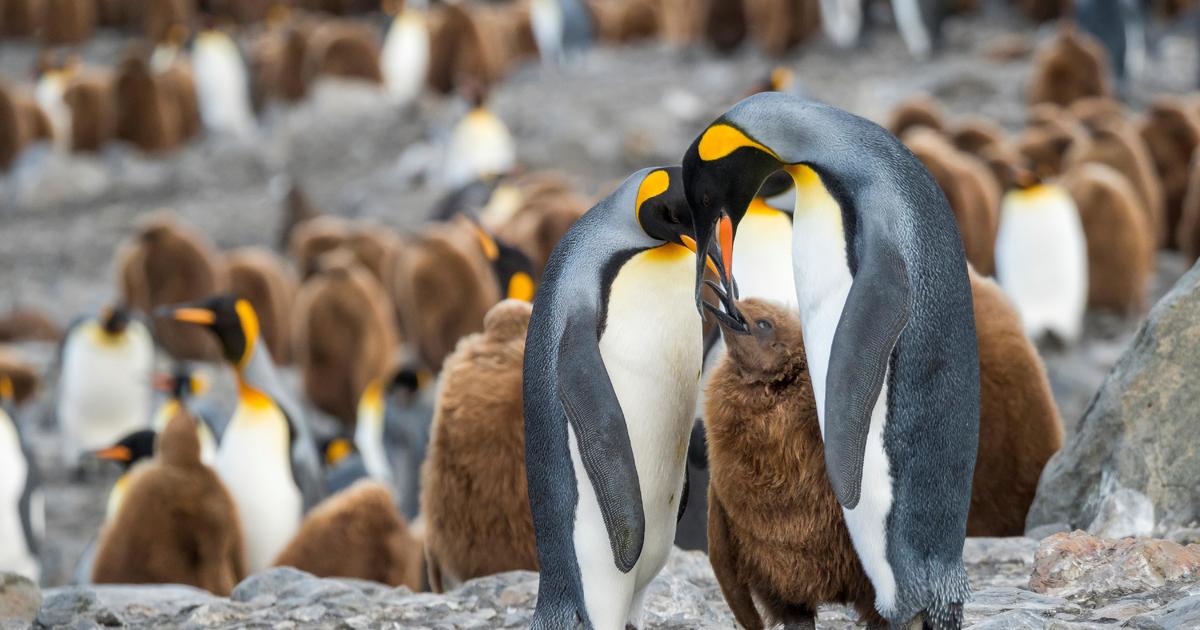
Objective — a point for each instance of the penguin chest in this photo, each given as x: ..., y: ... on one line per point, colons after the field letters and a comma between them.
x: 221, y: 84
x: 368, y: 439
x: 105, y: 391
x: 1041, y: 260
x: 652, y: 350
x: 546, y: 21
x: 763, y: 266
x: 255, y: 463
x: 405, y: 56
x: 15, y: 554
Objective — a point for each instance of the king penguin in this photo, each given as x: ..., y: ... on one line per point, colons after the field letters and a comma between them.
x: 105, y: 381
x: 561, y: 28
x: 222, y: 84
x: 267, y: 456
x: 392, y: 431
x: 480, y: 146
x: 611, y: 372
x: 180, y: 386
x: 22, y: 507
x: 405, y: 55
x: 881, y: 281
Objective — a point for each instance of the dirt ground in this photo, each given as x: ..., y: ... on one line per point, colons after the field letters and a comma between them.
x: 616, y: 110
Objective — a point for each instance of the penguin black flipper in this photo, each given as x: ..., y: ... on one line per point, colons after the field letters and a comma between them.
x: 306, y: 464
x: 595, y: 414
x: 876, y: 311
x: 683, y: 498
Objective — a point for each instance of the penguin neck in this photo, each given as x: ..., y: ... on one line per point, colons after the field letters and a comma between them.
x: 258, y: 382
x: 369, y: 427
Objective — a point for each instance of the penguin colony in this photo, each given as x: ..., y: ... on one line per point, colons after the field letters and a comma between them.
x: 560, y: 434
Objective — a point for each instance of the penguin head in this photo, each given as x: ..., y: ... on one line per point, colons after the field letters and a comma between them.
x: 114, y: 320
x: 181, y: 384
x: 513, y: 268
x: 770, y: 345
x: 660, y: 208
x: 232, y: 319
x: 131, y: 449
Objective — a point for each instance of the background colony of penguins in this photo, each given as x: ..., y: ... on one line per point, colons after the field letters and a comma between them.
x: 411, y: 347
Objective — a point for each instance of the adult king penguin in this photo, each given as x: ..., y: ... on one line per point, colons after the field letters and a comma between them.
x: 22, y: 506
x: 612, y: 365
x: 882, y: 285
x: 267, y: 456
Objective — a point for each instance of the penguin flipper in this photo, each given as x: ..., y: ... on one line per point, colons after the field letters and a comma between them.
x: 595, y: 414
x: 687, y: 488
x: 876, y: 312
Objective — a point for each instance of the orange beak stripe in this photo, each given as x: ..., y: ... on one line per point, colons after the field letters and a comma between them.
x: 115, y: 454
x: 200, y: 316
x: 690, y: 243
x: 725, y: 233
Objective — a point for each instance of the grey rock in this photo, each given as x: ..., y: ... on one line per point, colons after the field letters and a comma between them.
x: 1123, y: 513
x: 270, y: 582
x: 1139, y: 432
x: 20, y: 598
x: 1184, y: 613
x: 1081, y: 566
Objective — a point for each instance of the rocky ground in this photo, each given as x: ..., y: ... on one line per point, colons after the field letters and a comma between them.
x: 615, y: 111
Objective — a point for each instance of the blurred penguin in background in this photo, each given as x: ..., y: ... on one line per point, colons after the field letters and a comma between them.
x: 130, y: 452
x: 919, y: 23
x: 181, y: 386
x: 562, y: 29
x: 22, y: 505
x: 391, y: 433
x: 405, y: 55
x: 222, y: 84
x: 261, y: 277
x: 480, y: 146
x: 104, y: 389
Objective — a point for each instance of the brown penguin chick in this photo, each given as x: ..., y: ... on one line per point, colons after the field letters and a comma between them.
x: 67, y: 21
x: 973, y: 133
x: 93, y: 111
x: 625, y: 20
x: 920, y: 110
x: 777, y: 27
x: 1094, y: 110
x: 1116, y: 143
x: 357, y: 533
x: 21, y: 377
x: 1172, y: 133
x: 1019, y: 426
x: 1004, y: 162
x: 441, y: 287
x: 1187, y: 236
x: 1043, y: 10
x: 338, y: 48
x: 20, y: 18
x: 1044, y: 147
x: 180, y: 86
x: 1120, y: 244
x: 312, y: 238
x: 296, y: 209
x: 970, y: 188
x: 277, y: 64
x: 1070, y: 66
x: 162, y: 20
x: 166, y: 262
x: 116, y: 13
x: 770, y: 504
x: 12, y: 134
x: 372, y: 245
x: 177, y: 523
x: 343, y: 334
x: 724, y: 24
x: 474, y: 497
x: 457, y: 51
x: 679, y: 21
x: 260, y: 276
x: 147, y: 116
x: 28, y: 324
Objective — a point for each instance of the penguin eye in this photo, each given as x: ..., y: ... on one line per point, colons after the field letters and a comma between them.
x: 705, y: 200
x: 763, y: 324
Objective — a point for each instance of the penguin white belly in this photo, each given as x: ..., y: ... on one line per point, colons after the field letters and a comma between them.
x: 763, y: 266
x: 368, y: 439
x: 49, y: 95
x: 546, y: 20
x: 651, y: 349
x: 221, y: 85
x: 842, y: 21
x: 823, y: 283
x: 1041, y: 260
x: 913, y: 29
x: 255, y: 463
x: 15, y: 553
x: 405, y: 56
x: 105, y: 387
x: 480, y: 146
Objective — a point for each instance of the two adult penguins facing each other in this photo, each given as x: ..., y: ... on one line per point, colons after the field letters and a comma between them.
x: 882, y: 286
x: 612, y: 365
x: 267, y: 456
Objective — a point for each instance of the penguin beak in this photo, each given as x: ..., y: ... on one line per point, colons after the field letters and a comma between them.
x: 189, y: 314
x: 115, y: 454
x: 690, y: 243
x: 717, y: 235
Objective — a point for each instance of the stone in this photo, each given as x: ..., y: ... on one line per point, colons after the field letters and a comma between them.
x: 1184, y: 613
x: 1123, y: 513
x: 1079, y: 564
x: 1139, y: 432
x: 20, y: 598
x: 270, y: 582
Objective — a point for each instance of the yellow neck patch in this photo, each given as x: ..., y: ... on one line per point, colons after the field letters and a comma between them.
x: 7, y: 392
x: 250, y: 329
x: 488, y: 244
x: 372, y: 397
x: 669, y: 252
x: 653, y: 185
x: 520, y: 287
x: 337, y: 451
x: 719, y: 141
x: 758, y: 207
x: 252, y: 397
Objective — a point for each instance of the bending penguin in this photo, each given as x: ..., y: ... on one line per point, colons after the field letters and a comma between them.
x: 881, y: 281
x: 612, y: 367
x: 267, y: 456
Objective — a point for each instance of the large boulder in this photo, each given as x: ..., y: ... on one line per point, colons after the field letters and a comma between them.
x: 1133, y: 466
